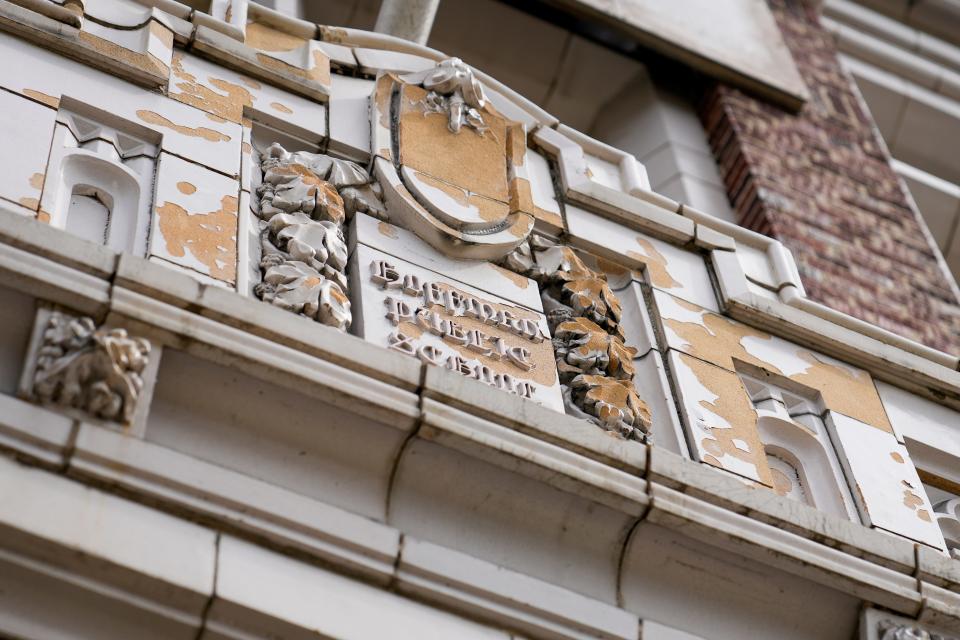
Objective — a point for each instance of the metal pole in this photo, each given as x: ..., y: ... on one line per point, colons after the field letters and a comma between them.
x: 407, y: 19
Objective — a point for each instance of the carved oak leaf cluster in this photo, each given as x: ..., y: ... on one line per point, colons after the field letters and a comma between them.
x: 595, y: 366
x: 454, y: 91
x: 305, y: 198
x: 94, y: 370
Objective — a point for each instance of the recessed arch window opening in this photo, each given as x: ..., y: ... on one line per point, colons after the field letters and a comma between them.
x: 100, y: 178
x: 800, y: 454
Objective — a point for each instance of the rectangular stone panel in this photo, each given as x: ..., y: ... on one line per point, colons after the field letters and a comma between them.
x: 453, y: 324
x: 884, y: 481
x: 195, y: 219
x: 26, y: 130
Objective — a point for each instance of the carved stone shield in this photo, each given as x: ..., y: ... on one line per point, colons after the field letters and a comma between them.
x: 451, y: 166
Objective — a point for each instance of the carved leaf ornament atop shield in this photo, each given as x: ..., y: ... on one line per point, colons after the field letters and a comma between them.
x: 450, y: 165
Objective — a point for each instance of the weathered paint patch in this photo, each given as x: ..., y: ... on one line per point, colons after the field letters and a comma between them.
x: 265, y: 38
x: 156, y: 119
x: 388, y: 230
x: 477, y: 163
x: 210, y: 237
x: 521, y: 281
x: 319, y: 72
x: 656, y: 263
x: 39, y: 96
x: 722, y: 418
x: 282, y: 108
x: 722, y: 341
x: 228, y: 105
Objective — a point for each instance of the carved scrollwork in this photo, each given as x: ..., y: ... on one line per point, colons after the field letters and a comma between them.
x: 96, y: 370
x: 305, y: 198
x: 595, y: 365
x: 454, y: 91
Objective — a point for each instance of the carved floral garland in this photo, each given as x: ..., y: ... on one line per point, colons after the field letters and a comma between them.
x: 305, y: 198
x: 94, y: 370
x: 595, y: 365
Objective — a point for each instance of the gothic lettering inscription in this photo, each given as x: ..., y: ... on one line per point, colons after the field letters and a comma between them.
x: 445, y: 323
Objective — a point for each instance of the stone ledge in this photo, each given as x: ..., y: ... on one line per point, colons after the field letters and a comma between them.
x: 67, y: 250
x: 704, y: 483
x: 527, y: 417
x: 352, y: 542
x: 501, y: 596
x: 542, y: 461
x: 783, y: 550
x: 262, y: 358
x: 266, y: 321
x: 125, y: 546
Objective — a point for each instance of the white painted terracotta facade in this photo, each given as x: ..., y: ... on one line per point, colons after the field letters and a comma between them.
x: 311, y: 332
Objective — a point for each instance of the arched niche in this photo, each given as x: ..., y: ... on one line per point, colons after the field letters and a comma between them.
x: 793, y: 443
x: 85, y: 180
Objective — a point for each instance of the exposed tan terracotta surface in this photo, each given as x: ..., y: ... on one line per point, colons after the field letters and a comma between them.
x: 517, y: 143
x: 521, y: 281
x: 657, y: 267
x: 142, y: 61
x: 210, y: 237
x: 210, y: 135
x: 163, y: 34
x: 320, y: 72
x: 734, y: 406
x: 719, y: 341
x: 782, y: 485
x: 50, y: 101
x: 43, y: 216
x: 281, y: 107
x: 266, y: 38
x: 228, y: 105
x: 36, y: 180
x: 897, y: 457
x: 474, y: 162
x: 488, y: 210
x: 186, y: 187
x: 30, y: 203
x: 387, y: 229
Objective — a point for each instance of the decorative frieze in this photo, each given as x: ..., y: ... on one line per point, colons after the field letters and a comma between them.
x: 305, y: 198
x: 95, y: 370
x: 594, y: 363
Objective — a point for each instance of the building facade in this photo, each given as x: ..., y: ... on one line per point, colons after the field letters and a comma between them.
x: 561, y: 319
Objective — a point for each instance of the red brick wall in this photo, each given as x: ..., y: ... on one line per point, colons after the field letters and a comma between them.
x: 820, y: 181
